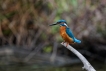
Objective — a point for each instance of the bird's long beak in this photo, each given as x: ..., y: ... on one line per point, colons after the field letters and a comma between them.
x: 53, y: 24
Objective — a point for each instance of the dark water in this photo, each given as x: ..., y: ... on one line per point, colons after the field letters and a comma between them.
x: 34, y: 67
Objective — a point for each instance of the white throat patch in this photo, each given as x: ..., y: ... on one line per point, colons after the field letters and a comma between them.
x: 65, y: 24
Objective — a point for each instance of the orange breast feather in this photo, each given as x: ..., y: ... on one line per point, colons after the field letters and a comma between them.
x: 64, y: 35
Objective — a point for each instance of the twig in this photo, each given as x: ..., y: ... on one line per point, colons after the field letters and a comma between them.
x: 52, y: 58
x: 29, y: 56
x: 87, y: 65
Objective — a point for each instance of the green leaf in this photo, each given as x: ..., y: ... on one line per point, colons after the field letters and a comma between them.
x: 47, y: 49
x: 43, y: 36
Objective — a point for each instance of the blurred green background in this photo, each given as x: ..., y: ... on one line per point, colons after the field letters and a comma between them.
x: 27, y: 42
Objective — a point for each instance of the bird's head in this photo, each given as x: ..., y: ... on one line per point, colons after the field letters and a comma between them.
x: 60, y: 22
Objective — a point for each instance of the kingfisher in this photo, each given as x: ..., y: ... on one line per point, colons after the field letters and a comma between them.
x: 66, y: 33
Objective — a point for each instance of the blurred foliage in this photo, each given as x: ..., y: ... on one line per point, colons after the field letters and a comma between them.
x: 48, y: 68
x: 25, y: 22
x: 47, y: 49
x: 55, y: 29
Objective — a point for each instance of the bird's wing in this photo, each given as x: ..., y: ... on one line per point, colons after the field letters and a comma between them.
x: 70, y: 34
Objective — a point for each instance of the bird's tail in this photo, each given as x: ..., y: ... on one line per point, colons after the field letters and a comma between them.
x: 76, y: 40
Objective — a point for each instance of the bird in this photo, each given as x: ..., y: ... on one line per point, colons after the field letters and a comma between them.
x: 66, y: 33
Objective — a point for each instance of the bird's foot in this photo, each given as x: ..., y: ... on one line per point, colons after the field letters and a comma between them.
x: 63, y: 42
x: 67, y: 44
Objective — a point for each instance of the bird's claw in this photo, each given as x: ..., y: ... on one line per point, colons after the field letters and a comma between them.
x: 63, y: 42
x: 66, y: 43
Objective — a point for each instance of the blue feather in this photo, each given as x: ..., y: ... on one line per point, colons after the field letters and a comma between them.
x: 77, y: 41
x: 61, y: 21
x: 70, y: 34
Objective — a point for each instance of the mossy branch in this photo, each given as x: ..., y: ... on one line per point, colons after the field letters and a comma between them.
x: 87, y: 65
